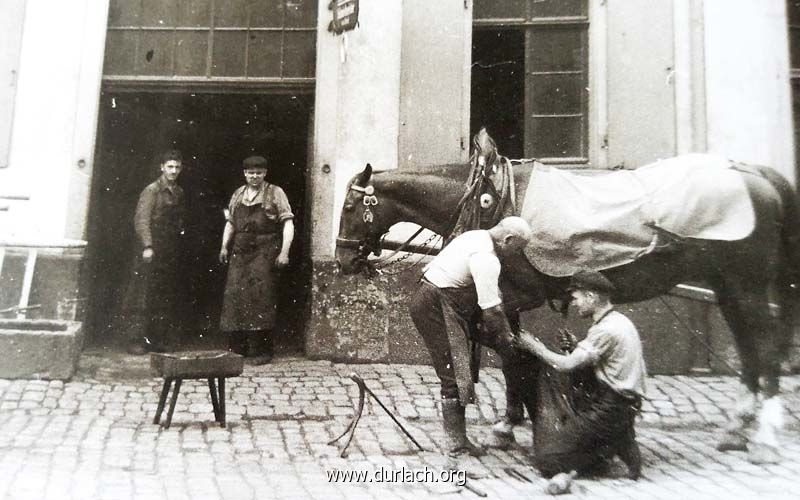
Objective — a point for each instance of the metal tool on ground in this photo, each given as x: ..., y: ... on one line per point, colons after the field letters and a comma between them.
x: 351, y: 427
x: 560, y: 484
x: 475, y: 489
x: 516, y: 474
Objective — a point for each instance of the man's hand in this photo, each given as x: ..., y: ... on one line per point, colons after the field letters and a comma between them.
x: 281, y: 261
x: 566, y: 340
x: 223, y: 256
x: 147, y: 255
x: 526, y: 341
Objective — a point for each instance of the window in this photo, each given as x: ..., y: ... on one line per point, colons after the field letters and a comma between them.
x: 793, y: 11
x: 211, y: 39
x: 534, y: 51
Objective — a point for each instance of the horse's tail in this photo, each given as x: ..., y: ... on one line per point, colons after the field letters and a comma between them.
x: 790, y: 226
x: 788, y: 283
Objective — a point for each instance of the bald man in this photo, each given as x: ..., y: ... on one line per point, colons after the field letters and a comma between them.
x: 460, y: 280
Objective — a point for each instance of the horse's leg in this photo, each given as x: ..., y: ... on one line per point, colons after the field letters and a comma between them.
x: 518, y: 283
x: 502, y: 431
x: 757, y: 335
x: 773, y: 350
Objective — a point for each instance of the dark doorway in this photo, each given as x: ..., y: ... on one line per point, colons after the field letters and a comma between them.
x: 498, y: 88
x: 215, y: 132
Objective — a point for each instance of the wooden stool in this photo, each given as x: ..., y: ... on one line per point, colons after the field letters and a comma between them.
x: 210, y: 365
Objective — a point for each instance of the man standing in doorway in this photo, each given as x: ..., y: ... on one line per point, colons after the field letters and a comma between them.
x: 159, y: 225
x: 462, y: 278
x: 255, y: 244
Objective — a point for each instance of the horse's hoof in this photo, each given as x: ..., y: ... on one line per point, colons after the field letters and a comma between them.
x: 467, y: 448
x: 502, y: 435
x: 500, y: 441
x: 763, y: 454
x: 733, y: 441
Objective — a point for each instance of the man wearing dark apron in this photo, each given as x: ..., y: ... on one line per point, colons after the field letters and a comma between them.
x: 597, y: 411
x: 463, y: 278
x: 154, y: 293
x: 255, y: 244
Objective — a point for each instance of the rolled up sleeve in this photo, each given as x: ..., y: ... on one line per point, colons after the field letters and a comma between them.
x: 282, y: 205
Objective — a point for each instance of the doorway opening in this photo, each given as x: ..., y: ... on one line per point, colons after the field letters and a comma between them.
x: 498, y: 88
x: 215, y: 132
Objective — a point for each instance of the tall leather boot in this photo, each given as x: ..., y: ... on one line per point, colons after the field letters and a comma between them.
x: 455, y: 429
x: 629, y: 453
x: 260, y: 347
x: 237, y: 342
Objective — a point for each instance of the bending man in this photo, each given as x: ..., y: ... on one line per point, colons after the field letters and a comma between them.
x: 463, y: 277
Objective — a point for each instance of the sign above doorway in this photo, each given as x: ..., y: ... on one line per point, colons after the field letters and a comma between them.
x: 345, y: 15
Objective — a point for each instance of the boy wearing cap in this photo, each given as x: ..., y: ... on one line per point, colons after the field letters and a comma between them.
x: 255, y: 245
x: 159, y: 224
x: 603, y: 426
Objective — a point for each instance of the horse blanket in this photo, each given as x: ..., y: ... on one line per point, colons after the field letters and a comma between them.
x: 604, y: 220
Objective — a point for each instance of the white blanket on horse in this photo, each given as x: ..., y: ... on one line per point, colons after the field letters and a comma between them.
x: 609, y: 219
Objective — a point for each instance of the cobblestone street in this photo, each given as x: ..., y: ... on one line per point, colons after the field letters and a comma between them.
x: 92, y: 438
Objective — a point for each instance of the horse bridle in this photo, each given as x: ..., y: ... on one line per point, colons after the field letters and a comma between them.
x: 371, y: 244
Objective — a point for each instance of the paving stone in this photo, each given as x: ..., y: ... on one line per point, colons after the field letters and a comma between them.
x: 281, y: 417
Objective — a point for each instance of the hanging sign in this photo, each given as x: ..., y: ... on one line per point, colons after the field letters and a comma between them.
x: 345, y: 15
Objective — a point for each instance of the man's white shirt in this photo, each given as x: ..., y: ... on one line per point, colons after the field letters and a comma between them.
x: 468, y: 260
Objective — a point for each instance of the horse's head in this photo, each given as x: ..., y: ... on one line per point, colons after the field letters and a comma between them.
x: 361, y: 225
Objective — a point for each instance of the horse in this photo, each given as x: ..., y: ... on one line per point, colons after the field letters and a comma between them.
x: 745, y: 274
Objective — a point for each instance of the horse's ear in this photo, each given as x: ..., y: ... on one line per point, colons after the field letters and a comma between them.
x: 364, y: 176
x: 485, y: 145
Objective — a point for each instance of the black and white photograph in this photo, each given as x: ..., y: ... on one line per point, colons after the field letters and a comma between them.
x: 399, y: 249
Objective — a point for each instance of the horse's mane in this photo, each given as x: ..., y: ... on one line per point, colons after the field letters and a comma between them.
x: 453, y: 171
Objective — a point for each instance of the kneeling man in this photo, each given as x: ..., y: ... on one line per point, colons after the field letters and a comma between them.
x: 600, y: 423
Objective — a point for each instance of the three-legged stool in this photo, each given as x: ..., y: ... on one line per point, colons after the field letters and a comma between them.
x: 214, y: 366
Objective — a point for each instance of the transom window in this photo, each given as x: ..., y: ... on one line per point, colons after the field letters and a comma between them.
x: 211, y: 39
x: 530, y: 76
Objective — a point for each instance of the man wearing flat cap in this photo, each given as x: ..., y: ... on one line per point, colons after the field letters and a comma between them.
x: 255, y: 245
x: 154, y: 290
x: 602, y: 425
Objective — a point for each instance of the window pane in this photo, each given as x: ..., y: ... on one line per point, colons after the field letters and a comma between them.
x: 557, y: 94
x: 796, y: 115
x: 228, y: 57
x: 559, y: 8
x: 556, y: 137
x: 498, y: 9
x: 231, y: 13
x: 266, y: 14
x: 155, y: 53
x: 557, y: 49
x: 794, y: 47
x: 120, y: 52
x: 301, y: 13
x: 194, y: 13
x: 124, y: 12
x: 159, y: 13
x: 264, y: 54
x: 298, y: 54
x: 191, y: 51
x: 793, y: 9
x: 498, y: 88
